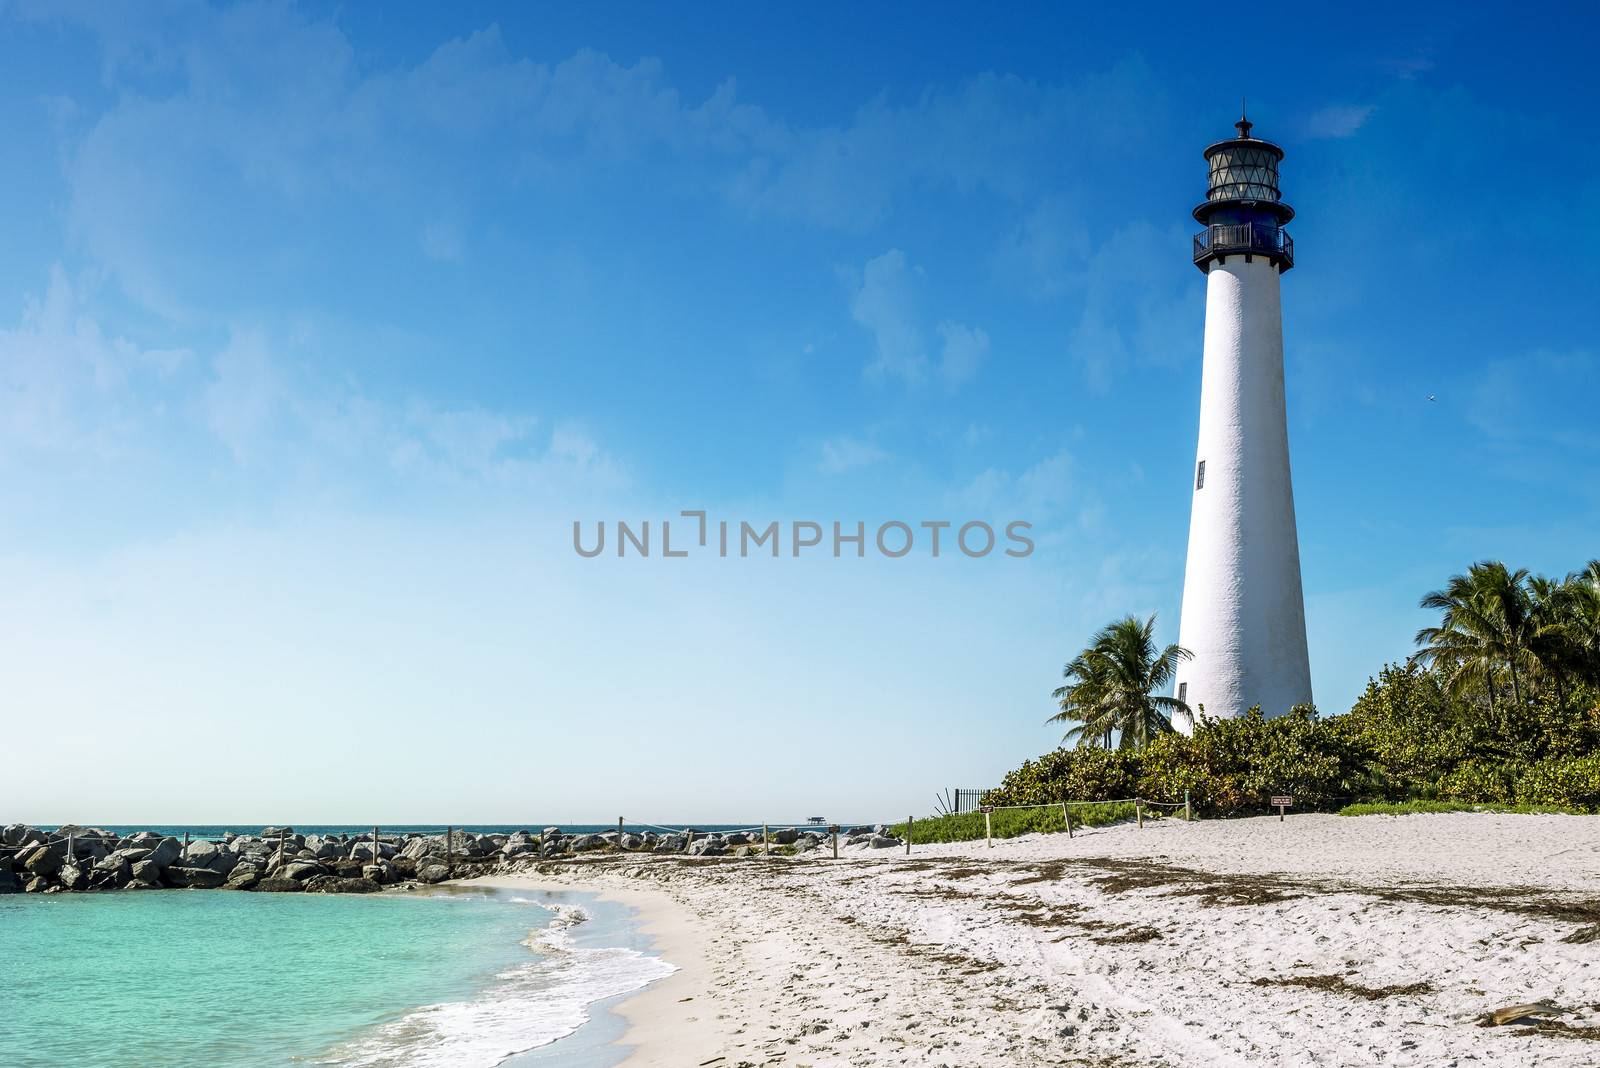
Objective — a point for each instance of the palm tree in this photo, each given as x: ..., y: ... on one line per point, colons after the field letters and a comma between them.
x: 1111, y: 686
x: 1568, y: 624
x: 1487, y: 626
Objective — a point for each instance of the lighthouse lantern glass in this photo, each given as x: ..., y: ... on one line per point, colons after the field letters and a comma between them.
x: 1241, y: 171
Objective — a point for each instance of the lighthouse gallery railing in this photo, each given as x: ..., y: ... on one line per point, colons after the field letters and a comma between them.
x: 1228, y: 238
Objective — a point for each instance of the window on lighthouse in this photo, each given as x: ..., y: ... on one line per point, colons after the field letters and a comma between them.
x: 1200, y: 476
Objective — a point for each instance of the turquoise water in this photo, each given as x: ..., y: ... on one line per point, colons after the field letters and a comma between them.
x: 228, y: 979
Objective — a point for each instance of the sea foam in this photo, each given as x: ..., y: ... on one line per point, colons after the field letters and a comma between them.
x: 524, y: 1008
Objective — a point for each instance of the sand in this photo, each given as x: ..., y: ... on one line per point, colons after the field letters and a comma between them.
x: 1323, y: 940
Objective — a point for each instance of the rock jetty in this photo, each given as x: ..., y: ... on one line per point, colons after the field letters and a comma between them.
x: 280, y: 860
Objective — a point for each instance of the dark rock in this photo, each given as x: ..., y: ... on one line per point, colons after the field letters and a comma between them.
x: 36, y: 885
x: 670, y: 843
x: 884, y: 841
x: 275, y: 833
x: 588, y: 842
x: 146, y: 872
x: 301, y: 869
x: 167, y: 852
x: 204, y: 854
x: 194, y: 878
x: 785, y: 836
x: 279, y: 886
x: 404, y: 867
x: 72, y: 877
x: 8, y: 880
x: 41, y: 860
x: 12, y: 835
x: 432, y: 873
x: 333, y: 884
x: 708, y: 847
x: 243, y: 877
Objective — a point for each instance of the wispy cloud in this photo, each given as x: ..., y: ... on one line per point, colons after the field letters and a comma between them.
x: 1336, y: 122
x: 844, y: 453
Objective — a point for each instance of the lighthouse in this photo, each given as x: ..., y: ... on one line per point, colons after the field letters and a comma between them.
x: 1243, y: 612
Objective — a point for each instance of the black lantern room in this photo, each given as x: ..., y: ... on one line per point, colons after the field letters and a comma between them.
x: 1243, y: 214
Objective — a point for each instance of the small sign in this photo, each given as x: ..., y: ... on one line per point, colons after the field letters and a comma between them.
x: 986, y: 809
x: 1282, y: 800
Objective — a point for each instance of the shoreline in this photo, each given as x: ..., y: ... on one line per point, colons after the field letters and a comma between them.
x: 662, y: 1029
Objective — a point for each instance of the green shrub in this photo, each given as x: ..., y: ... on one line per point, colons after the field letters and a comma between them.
x: 1410, y: 808
x: 1568, y: 782
x: 1009, y: 823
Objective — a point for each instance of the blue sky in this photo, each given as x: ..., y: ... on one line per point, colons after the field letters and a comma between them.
x: 319, y: 326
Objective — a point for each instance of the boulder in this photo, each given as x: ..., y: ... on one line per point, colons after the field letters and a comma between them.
x: 200, y: 854
x: 381, y: 872
x: 325, y: 850
x: 884, y: 841
x: 632, y: 841
x: 275, y: 833
x: 146, y: 872
x: 785, y: 836
x: 670, y: 843
x: 707, y: 847
x: 805, y: 844
x: 8, y: 880
x: 300, y: 869
x: 12, y: 834
x: 167, y: 852
x: 432, y: 873
x: 243, y: 877
x: 856, y: 831
x: 588, y: 842
x: 36, y: 885
x: 41, y: 860
x: 512, y: 850
x: 333, y: 884
x: 739, y: 838
x: 280, y: 886
x: 194, y: 878
x: 72, y: 877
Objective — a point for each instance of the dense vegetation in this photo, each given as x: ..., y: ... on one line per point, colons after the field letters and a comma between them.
x: 1009, y: 823
x: 1499, y: 706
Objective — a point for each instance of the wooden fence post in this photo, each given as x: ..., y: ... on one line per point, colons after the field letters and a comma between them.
x: 988, y: 831
x: 375, y: 854
x: 186, y: 841
x: 690, y: 841
x: 619, y: 833
x: 1138, y: 811
x: 1066, y: 817
x: 835, y: 830
x: 283, y: 846
x: 1188, y: 813
x: 449, y: 852
x: 766, y: 842
x: 911, y: 821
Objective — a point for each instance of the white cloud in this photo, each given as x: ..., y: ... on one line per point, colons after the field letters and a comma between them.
x: 844, y: 453
x: 963, y: 353
x: 1332, y: 123
x: 886, y: 305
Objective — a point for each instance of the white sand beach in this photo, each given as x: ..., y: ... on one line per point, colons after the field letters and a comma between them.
x: 1323, y: 940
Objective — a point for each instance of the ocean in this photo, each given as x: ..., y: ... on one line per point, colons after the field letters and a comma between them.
x: 463, y: 978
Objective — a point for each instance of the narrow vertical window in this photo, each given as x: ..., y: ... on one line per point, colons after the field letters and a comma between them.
x: 1200, y: 476
x: 1183, y: 692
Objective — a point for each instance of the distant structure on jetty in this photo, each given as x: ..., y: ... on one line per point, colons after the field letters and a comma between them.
x: 1243, y: 610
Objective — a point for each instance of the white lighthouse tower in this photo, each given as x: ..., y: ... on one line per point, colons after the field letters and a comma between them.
x: 1243, y: 613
